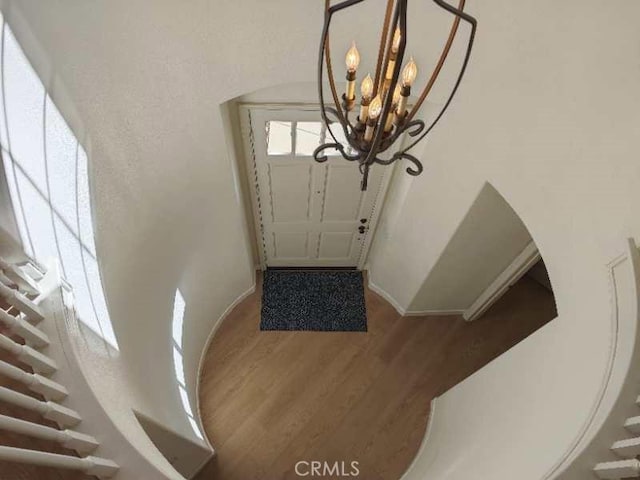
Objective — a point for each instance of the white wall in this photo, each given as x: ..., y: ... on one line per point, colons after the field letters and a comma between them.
x: 141, y: 83
x: 185, y: 456
x: 547, y: 115
x: 507, y: 437
x: 487, y: 240
x: 44, y: 163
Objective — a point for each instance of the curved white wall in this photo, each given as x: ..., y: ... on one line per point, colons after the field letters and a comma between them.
x: 141, y: 83
x: 487, y: 240
x: 547, y: 114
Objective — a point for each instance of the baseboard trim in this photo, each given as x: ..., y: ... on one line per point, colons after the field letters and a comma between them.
x: 410, y: 313
x: 440, y: 313
x: 384, y: 294
x: 518, y: 267
x: 205, y: 349
x: 425, y: 440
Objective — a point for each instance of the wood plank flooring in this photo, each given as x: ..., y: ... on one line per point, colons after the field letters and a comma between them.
x: 271, y: 399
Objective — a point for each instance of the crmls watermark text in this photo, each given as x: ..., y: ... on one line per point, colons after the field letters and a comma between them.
x: 314, y: 468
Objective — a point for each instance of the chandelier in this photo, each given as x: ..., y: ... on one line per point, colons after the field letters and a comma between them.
x: 383, y: 115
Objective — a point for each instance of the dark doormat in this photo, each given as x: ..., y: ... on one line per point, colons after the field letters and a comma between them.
x: 327, y: 301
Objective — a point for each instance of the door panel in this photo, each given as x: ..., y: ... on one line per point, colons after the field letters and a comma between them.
x: 343, y: 197
x: 290, y: 191
x: 336, y: 245
x: 290, y: 245
x: 310, y: 213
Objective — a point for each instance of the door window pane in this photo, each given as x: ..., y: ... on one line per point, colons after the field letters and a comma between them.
x: 278, y: 138
x: 308, y: 137
x: 340, y: 137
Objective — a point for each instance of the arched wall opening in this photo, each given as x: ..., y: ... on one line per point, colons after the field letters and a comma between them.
x: 583, y: 166
x: 490, y: 251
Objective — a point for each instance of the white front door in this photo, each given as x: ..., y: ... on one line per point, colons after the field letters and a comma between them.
x: 311, y: 214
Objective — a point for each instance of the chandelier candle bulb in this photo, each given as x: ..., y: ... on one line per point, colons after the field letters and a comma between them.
x: 388, y: 124
x: 364, y: 110
x: 375, y: 108
x: 391, y: 117
x: 401, y: 111
x: 352, y: 60
x: 366, y: 89
x: 395, y: 46
x: 373, y: 136
x: 368, y: 133
x: 350, y: 96
x: 396, y: 95
x: 409, y: 73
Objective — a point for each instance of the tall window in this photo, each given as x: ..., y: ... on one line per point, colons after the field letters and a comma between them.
x: 47, y: 175
x: 178, y: 364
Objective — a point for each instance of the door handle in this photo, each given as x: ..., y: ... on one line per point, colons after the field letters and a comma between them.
x: 361, y: 228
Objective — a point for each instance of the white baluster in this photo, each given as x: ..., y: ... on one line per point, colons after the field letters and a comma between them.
x: 99, y: 467
x: 81, y: 443
x: 628, y: 448
x: 617, y: 470
x: 32, y: 270
x: 6, y: 280
x: 17, y: 277
x: 35, y: 382
x: 22, y: 303
x: 24, y: 329
x: 49, y: 410
x: 632, y: 424
x: 39, y: 362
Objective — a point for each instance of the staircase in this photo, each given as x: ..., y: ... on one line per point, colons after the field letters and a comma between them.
x: 626, y: 449
x: 41, y: 437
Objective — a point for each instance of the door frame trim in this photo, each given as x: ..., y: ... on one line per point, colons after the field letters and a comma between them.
x: 520, y: 265
x: 246, y: 132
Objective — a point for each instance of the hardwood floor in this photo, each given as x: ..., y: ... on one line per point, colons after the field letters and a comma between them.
x: 271, y: 399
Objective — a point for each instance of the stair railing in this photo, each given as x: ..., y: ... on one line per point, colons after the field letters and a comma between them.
x: 20, y: 288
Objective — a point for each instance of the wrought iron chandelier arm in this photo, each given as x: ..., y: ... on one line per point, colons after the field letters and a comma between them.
x: 323, y: 42
x: 397, y: 156
x: 383, y: 40
x: 381, y: 161
x: 325, y: 53
x: 383, y: 113
x: 317, y: 153
x: 345, y: 128
x: 399, y: 18
x: 438, y: 68
x: 339, y: 6
x: 412, y: 128
x: 472, y: 21
x: 411, y: 171
x: 319, y: 157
